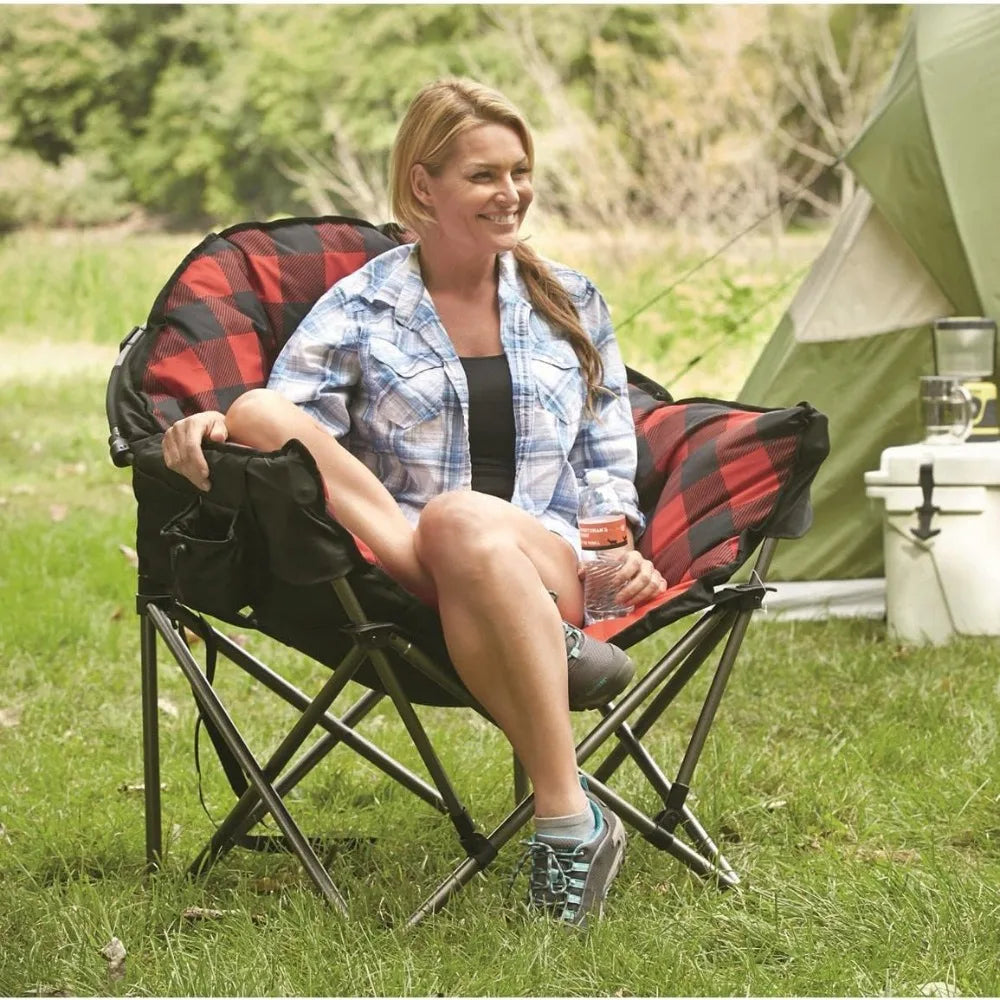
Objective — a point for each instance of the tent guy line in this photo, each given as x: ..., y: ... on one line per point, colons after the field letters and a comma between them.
x: 694, y: 269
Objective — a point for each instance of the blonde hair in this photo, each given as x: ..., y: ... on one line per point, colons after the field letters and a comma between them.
x: 441, y: 112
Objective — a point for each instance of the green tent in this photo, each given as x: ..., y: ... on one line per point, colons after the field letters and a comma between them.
x: 921, y: 240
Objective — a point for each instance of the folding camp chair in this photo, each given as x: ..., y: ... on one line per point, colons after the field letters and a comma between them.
x: 717, y: 481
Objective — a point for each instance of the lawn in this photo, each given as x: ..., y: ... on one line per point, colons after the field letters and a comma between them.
x: 851, y: 780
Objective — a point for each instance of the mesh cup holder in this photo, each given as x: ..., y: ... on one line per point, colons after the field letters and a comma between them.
x: 209, y: 563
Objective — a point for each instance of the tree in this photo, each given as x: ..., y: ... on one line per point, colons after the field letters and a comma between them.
x: 688, y: 116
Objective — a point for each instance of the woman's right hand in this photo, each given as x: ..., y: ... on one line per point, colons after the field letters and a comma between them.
x: 182, y: 451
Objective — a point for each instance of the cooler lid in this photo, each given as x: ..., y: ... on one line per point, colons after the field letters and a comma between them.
x: 967, y: 464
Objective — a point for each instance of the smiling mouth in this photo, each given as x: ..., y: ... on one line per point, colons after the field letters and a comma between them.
x: 503, y: 220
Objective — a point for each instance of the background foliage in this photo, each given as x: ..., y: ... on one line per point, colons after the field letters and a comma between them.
x: 690, y: 116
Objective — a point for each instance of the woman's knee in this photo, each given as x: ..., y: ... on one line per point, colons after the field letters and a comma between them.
x: 461, y: 527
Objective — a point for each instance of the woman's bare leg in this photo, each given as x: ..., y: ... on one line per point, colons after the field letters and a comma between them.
x: 265, y: 420
x: 492, y: 565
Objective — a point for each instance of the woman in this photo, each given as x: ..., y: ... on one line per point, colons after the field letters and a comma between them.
x: 462, y: 361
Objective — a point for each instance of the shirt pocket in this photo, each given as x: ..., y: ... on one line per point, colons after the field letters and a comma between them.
x: 407, y: 389
x: 559, y: 385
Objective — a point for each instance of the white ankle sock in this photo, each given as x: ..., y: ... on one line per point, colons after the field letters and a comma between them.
x: 566, y: 831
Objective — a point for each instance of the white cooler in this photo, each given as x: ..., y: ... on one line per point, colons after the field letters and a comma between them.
x: 946, y: 583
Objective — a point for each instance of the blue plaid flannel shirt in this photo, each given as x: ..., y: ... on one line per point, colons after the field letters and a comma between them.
x: 374, y: 365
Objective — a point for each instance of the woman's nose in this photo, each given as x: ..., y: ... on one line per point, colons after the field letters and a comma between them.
x: 508, y: 189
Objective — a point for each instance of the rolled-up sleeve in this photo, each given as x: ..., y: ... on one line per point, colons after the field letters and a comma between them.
x: 607, y: 437
x: 319, y: 366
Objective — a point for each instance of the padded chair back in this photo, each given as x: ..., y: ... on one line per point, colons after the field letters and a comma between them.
x: 228, y: 309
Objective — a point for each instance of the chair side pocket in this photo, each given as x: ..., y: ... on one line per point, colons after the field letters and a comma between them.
x: 210, y: 568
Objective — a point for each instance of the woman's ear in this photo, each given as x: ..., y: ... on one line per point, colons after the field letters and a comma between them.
x: 420, y: 184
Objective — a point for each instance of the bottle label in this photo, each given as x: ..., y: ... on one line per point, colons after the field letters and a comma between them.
x: 609, y: 532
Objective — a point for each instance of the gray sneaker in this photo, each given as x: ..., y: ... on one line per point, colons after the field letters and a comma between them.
x: 571, y: 883
x: 597, y: 670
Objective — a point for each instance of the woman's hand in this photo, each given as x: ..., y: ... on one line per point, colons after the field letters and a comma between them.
x: 182, y: 450
x: 638, y: 580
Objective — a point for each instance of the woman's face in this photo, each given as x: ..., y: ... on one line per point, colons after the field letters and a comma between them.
x: 481, y: 196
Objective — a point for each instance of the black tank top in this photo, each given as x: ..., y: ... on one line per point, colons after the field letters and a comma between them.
x: 491, y: 425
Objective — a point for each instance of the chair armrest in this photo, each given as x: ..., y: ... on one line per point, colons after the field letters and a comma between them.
x: 269, y: 505
x: 717, y: 477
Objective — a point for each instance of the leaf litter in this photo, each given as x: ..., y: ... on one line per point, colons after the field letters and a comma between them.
x: 114, y: 953
x: 198, y: 913
x: 10, y: 718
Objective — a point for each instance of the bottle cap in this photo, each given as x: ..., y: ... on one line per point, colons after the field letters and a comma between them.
x: 594, y: 477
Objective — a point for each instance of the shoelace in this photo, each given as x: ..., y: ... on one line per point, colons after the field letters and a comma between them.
x: 572, y: 632
x: 550, y: 873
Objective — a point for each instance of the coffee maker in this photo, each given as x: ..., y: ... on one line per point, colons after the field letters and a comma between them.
x: 965, y: 347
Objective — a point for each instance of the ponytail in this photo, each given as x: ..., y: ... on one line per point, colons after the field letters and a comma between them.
x: 552, y: 300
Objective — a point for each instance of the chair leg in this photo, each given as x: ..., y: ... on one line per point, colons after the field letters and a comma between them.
x: 707, y: 867
x: 715, y: 692
x: 704, y: 844
x: 390, y: 683
x: 522, y: 787
x: 471, y: 866
x: 708, y: 860
x: 338, y: 730
x: 150, y: 742
x: 240, y: 821
x: 674, y: 670
x: 209, y: 703
x: 296, y: 736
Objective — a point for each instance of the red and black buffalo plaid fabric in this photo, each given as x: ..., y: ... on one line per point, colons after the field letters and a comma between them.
x: 235, y: 300
x: 714, y: 478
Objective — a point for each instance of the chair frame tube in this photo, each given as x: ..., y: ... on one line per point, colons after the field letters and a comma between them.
x: 150, y: 743
x: 211, y: 706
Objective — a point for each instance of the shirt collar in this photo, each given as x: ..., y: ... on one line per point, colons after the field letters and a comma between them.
x: 402, y: 287
x: 511, y: 285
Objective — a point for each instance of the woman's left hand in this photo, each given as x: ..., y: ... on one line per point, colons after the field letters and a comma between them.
x: 638, y: 580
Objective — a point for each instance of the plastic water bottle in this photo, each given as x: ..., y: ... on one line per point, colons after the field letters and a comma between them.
x: 604, y: 540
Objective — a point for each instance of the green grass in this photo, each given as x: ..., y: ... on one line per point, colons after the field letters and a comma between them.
x: 851, y: 781
x: 92, y: 285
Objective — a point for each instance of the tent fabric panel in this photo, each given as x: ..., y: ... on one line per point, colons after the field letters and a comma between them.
x: 896, y: 159
x: 959, y: 52
x: 869, y: 391
x: 767, y: 377
x: 865, y: 282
